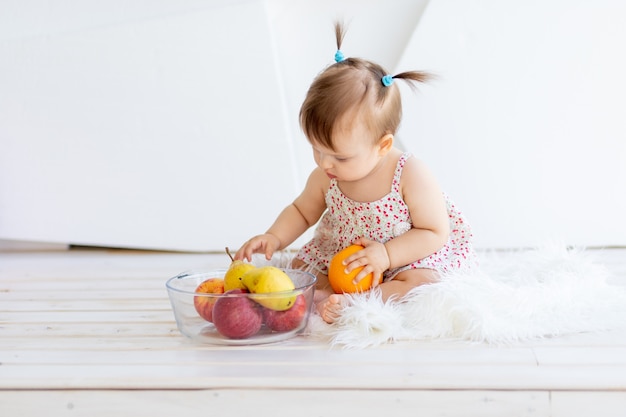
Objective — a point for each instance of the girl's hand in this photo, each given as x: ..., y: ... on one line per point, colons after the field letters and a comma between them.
x: 373, y: 258
x: 266, y: 243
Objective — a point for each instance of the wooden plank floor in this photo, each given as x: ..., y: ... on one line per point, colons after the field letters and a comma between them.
x: 88, y: 332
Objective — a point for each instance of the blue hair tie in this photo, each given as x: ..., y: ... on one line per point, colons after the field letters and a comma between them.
x: 339, y: 56
x: 387, y: 80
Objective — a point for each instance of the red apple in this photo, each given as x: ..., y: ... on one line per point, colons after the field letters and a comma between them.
x: 204, y: 304
x: 284, y: 321
x: 237, y: 317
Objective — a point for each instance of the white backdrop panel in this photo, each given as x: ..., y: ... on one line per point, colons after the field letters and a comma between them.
x: 159, y: 130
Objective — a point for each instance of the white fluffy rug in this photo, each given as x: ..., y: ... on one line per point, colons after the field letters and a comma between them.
x: 513, y: 296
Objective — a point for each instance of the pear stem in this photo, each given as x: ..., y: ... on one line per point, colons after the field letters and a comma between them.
x: 229, y: 255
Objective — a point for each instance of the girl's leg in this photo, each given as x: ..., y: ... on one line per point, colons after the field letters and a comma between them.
x: 322, y: 286
x: 406, y: 280
x: 330, y: 307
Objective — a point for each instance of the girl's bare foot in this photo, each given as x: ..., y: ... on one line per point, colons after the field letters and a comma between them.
x: 330, y: 307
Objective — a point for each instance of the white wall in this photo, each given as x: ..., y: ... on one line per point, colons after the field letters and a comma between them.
x: 173, y: 125
x: 525, y: 126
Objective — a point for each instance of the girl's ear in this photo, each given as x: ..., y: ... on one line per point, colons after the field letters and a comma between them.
x: 385, y: 144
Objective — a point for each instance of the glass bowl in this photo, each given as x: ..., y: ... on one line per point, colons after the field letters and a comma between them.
x: 244, y: 318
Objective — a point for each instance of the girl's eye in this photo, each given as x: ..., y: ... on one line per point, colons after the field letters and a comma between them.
x: 341, y: 159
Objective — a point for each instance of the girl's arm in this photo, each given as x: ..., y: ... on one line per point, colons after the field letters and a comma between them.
x: 427, y: 207
x: 293, y: 221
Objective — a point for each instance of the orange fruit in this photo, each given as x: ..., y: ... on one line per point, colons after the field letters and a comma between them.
x: 342, y: 282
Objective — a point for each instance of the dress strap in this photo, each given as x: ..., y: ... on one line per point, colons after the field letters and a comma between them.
x: 332, y: 188
x: 395, y: 185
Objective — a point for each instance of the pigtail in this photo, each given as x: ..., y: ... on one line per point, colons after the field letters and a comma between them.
x: 414, y: 77
x: 353, y: 84
x: 386, y: 81
x: 340, y: 33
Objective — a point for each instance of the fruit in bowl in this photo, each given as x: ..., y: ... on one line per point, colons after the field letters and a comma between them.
x: 204, y: 304
x: 234, y: 275
x: 237, y: 317
x: 274, y: 309
x: 286, y: 320
x: 269, y: 279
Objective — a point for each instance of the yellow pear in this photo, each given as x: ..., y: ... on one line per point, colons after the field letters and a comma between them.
x: 269, y: 279
x: 236, y: 270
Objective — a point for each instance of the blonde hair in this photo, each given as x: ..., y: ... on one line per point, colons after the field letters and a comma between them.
x: 353, y: 85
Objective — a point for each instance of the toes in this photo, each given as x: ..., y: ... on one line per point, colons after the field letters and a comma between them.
x: 336, y: 299
x: 330, y: 309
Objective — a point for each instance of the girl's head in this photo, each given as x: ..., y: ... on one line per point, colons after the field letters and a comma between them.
x: 352, y: 93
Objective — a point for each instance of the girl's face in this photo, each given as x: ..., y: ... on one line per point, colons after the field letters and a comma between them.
x: 356, y: 154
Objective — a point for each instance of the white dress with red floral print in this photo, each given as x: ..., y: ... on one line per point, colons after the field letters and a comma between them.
x: 345, y: 220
